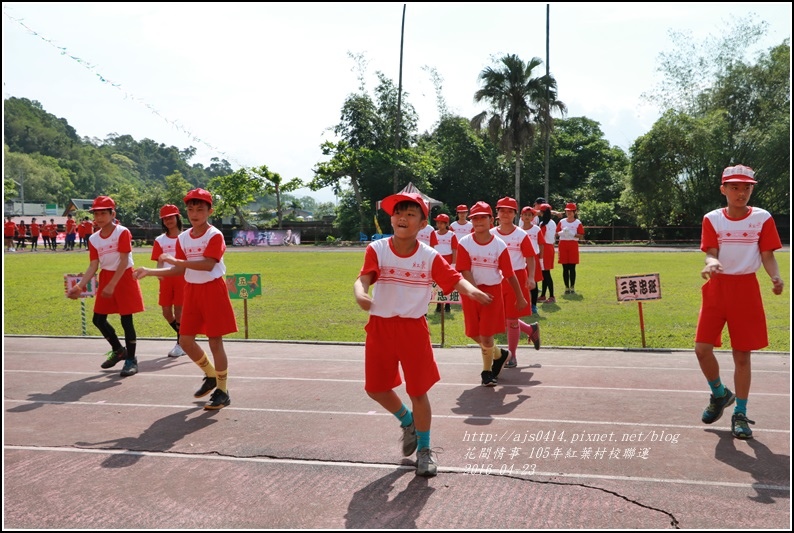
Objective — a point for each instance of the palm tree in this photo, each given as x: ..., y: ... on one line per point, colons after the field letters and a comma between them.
x: 518, y: 100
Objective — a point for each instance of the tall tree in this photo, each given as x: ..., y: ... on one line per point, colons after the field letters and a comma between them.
x: 516, y: 97
x: 273, y: 183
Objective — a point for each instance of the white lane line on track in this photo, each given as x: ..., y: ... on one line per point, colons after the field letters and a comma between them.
x: 104, y: 403
x: 361, y: 381
x: 380, y: 466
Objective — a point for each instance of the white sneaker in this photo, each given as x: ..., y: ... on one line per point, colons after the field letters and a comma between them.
x: 176, y: 351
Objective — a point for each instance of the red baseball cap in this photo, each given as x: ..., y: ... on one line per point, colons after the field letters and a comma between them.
x: 103, y: 202
x: 442, y: 218
x: 545, y: 207
x: 198, y: 194
x: 530, y: 210
x: 461, y: 209
x: 570, y: 206
x: 480, y: 208
x: 388, y: 203
x: 169, y: 210
x: 507, y: 202
x: 738, y: 174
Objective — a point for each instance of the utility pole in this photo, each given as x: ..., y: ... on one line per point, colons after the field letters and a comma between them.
x: 546, y: 118
x: 399, y: 104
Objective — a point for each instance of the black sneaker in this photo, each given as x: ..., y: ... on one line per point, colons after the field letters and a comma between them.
x: 130, y: 368
x: 206, y: 387
x: 219, y: 400
x: 535, y: 337
x: 113, y: 357
x: 487, y: 379
x: 497, y: 364
x: 717, y: 405
x: 739, y: 426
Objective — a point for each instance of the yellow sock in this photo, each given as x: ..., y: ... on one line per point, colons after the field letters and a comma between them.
x: 221, y: 380
x: 497, y: 352
x: 205, y: 365
x: 487, y: 357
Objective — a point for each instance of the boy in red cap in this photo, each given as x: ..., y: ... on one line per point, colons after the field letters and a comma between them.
x: 522, y: 256
x: 118, y: 292
x: 484, y: 261
x: 401, y: 271
x: 737, y: 240
x: 446, y: 244
x: 172, y: 288
x: 570, y: 231
x: 206, y: 307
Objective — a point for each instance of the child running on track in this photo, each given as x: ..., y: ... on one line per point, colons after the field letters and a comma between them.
x: 737, y: 240
x: 172, y: 288
x: 401, y: 271
x: 484, y: 261
x: 118, y: 292
x: 206, y: 307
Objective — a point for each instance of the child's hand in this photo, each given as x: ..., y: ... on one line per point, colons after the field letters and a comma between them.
x: 482, y: 297
x: 140, y: 273
x: 364, y: 301
x: 777, y: 285
x: 167, y: 258
x: 713, y: 266
x: 75, y: 291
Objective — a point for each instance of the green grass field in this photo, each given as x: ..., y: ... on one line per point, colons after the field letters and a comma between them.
x: 308, y: 296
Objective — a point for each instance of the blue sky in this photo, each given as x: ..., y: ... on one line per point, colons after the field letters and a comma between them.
x: 261, y: 83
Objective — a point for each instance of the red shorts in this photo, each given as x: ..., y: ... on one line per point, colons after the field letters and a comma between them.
x: 126, y: 299
x: 568, y: 253
x: 399, y: 342
x: 548, y: 257
x: 735, y: 300
x: 172, y: 291
x: 207, y: 310
x: 484, y: 320
x: 509, y: 297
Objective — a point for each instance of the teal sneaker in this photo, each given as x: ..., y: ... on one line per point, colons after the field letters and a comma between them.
x: 740, y: 427
x: 716, y: 406
x: 130, y: 368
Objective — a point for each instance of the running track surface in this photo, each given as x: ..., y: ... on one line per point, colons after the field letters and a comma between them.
x: 571, y: 439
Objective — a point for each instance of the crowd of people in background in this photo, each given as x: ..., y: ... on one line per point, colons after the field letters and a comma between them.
x: 19, y: 234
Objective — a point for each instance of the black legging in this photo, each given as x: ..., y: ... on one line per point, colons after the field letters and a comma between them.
x: 130, y: 338
x: 569, y: 275
x: 548, y: 283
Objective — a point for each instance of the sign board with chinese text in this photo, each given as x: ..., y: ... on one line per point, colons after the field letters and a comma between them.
x: 70, y: 280
x: 638, y: 287
x: 440, y: 297
x: 244, y: 286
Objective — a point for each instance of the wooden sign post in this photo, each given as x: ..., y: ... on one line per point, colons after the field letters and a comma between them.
x: 639, y: 287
